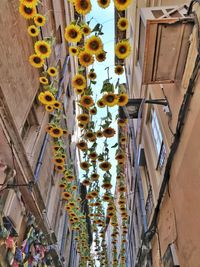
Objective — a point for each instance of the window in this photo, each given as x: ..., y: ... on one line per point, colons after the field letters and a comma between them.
x: 30, y: 122
x: 157, y: 139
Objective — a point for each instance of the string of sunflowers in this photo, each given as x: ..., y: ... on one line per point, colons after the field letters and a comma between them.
x: 48, y: 98
x: 89, y: 52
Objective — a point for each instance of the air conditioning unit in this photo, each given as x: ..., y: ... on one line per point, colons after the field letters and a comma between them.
x: 164, y: 35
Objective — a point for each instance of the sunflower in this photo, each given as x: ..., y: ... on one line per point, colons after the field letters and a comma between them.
x: 101, y: 103
x: 101, y: 56
x: 48, y: 128
x: 46, y: 98
x: 120, y: 157
x: 27, y: 12
x: 94, y: 177
x: 84, y: 165
x: 91, y: 136
x: 33, y: 31
x: 42, y: 49
x: 36, y: 61
x: 39, y: 20
x: 94, y: 45
x: 122, y: 99
x: 106, y: 197
x: 70, y: 178
x: 52, y: 71
x: 119, y: 70
x: 57, y: 105
x: 108, y: 132
x: 43, y: 80
x: 110, y: 99
x: 49, y: 108
x: 122, y: 24
x: 105, y: 166
x: 93, y: 155
x: 106, y: 185
x: 58, y: 161
x: 78, y: 91
x: 65, y: 131
x: 83, y: 118
x: 93, y: 111
x: 82, y: 145
x: 73, y: 50
x: 56, y: 132
x: 86, y: 101
x: 82, y: 7
x: 85, y: 59
x: 122, y: 49
x: 121, y: 188
x: 73, y: 33
x: 121, y: 4
x: 92, y: 75
x: 67, y: 195
x: 103, y: 3
x: 60, y: 168
x: 29, y: 3
x: 79, y: 81
x: 99, y: 134
x: 86, y: 182
x: 86, y: 29
x: 122, y: 122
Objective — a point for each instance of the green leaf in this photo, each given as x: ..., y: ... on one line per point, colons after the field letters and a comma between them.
x: 96, y: 27
x: 114, y: 145
x: 93, y: 82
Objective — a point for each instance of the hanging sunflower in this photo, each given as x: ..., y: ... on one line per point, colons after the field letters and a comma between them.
x: 122, y: 99
x: 92, y: 75
x: 79, y: 81
x: 33, y: 31
x: 122, y: 49
x: 73, y: 50
x: 105, y: 166
x: 103, y: 3
x: 122, y: 24
x: 85, y: 59
x: 48, y: 128
x: 90, y: 136
x: 84, y: 165
x: 86, y: 29
x: 101, y: 103
x: 73, y: 33
x: 119, y: 70
x: 101, y: 56
x: 82, y: 145
x: 29, y: 3
x: 108, y: 132
x: 82, y: 7
x: 99, y: 134
x: 58, y: 161
x: 93, y: 155
x: 120, y: 157
x: 94, y: 176
x: 86, y: 101
x: 94, y: 45
x: 56, y: 132
x: 81, y: 125
x: 39, y: 20
x: 36, y: 61
x: 107, y: 185
x: 93, y: 111
x: 78, y: 91
x: 86, y: 182
x: 121, y: 4
x: 42, y: 49
x: 46, y: 98
x: 49, y: 108
x: 110, y: 99
x: 43, y: 80
x: 27, y: 12
x: 122, y: 122
x: 123, y: 140
x: 83, y: 118
x: 52, y: 71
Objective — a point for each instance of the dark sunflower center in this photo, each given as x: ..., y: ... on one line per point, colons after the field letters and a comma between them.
x: 74, y: 50
x: 120, y: 157
x: 101, y: 103
x: 84, y: 118
x: 40, y: 20
x: 82, y: 144
x: 44, y: 80
x: 37, y: 60
x: 92, y: 75
x: 86, y: 58
x: 79, y: 81
x: 56, y: 131
x: 48, y: 98
x: 33, y: 30
x: 73, y: 33
x: 101, y: 56
x: 56, y: 105
x: 104, y: 2
x: 121, y: 99
x: 28, y: 10
x: 122, y: 49
x: 104, y: 165
x: 84, y: 4
x: 110, y: 98
x: 84, y: 165
x: 108, y: 131
x: 58, y: 160
x: 89, y: 135
x: 52, y: 71
x: 122, y: 1
x: 87, y: 101
x: 123, y: 23
x: 85, y: 30
x: 43, y: 49
x: 94, y: 45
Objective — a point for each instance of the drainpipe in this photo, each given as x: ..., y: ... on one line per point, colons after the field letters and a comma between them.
x: 46, y: 139
x: 62, y: 247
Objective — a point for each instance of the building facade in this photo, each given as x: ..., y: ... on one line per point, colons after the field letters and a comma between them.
x: 163, y: 170
x: 33, y: 222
